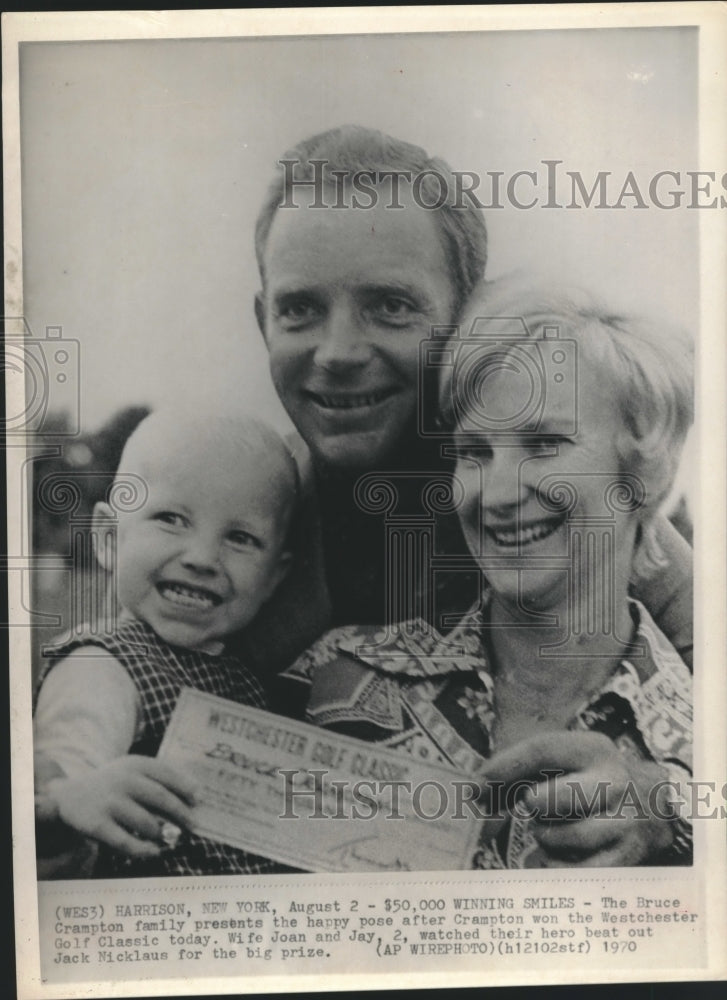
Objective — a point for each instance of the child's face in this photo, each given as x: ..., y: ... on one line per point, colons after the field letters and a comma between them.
x: 204, y: 552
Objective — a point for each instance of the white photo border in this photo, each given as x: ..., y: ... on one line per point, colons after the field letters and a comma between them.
x: 710, y: 502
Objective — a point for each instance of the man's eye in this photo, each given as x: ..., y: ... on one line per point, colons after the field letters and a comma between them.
x: 170, y: 518
x: 243, y: 540
x: 295, y: 313
x: 393, y: 309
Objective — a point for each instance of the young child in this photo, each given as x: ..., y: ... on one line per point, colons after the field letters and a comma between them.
x: 193, y: 564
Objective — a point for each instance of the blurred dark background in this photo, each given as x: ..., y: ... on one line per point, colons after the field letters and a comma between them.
x: 68, y: 479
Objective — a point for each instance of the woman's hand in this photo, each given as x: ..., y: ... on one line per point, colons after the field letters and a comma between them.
x: 592, y: 805
x: 126, y: 803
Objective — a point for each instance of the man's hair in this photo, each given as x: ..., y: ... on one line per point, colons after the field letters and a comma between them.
x: 648, y: 362
x: 349, y: 149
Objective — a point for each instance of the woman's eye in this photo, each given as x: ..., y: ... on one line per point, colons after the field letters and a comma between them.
x: 171, y: 518
x: 476, y: 453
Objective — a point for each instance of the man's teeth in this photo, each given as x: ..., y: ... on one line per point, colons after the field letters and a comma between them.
x: 533, y: 533
x: 190, y: 597
x: 350, y: 402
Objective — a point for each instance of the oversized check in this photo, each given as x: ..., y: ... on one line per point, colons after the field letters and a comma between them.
x: 314, y: 799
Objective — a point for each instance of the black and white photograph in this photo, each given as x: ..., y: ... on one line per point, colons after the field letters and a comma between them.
x: 365, y: 440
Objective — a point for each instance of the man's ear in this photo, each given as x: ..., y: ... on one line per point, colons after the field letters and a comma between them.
x: 260, y: 313
x: 104, y: 535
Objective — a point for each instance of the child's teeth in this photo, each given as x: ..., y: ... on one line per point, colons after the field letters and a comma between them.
x: 186, y: 595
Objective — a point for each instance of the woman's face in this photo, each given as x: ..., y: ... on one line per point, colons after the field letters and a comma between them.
x: 536, y: 501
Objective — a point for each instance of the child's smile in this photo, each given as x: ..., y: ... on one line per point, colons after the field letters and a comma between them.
x: 188, y: 596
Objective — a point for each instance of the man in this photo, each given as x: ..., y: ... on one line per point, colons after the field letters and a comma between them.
x: 364, y: 244
x: 348, y: 295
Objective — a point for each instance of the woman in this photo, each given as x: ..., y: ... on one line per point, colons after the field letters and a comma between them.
x: 567, y: 428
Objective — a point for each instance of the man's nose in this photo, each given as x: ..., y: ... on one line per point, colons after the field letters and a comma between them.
x: 201, y: 554
x: 504, y: 482
x: 345, y: 341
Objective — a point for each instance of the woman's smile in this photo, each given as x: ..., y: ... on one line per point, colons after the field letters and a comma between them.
x: 520, y: 533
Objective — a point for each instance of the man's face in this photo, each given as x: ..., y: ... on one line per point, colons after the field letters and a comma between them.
x: 349, y: 295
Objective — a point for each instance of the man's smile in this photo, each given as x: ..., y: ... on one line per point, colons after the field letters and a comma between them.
x: 350, y: 400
